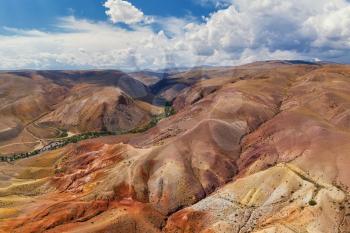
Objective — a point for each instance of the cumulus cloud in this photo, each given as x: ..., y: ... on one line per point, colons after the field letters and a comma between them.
x: 240, y: 33
x: 121, y: 11
x: 304, y: 28
x: 290, y: 29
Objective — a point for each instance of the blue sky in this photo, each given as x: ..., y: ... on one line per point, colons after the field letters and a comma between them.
x: 42, y: 14
x: 157, y: 34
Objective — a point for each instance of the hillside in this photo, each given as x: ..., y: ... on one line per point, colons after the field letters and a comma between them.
x: 258, y: 148
x: 40, y: 105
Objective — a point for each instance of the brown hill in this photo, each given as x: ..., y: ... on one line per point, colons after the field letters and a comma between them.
x: 258, y: 148
x: 38, y: 105
x: 94, y: 108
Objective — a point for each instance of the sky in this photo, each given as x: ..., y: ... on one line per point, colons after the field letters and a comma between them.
x: 158, y: 34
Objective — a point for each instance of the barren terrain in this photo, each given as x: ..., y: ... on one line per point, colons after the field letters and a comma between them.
x: 261, y: 148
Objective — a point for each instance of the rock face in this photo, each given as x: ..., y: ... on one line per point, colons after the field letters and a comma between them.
x: 257, y: 148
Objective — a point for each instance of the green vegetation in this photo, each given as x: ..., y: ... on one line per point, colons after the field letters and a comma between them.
x: 55, y: 145
x: 18, y: 156
x: 88, y: 135
x: 312, y: 202
x: 65, y: 140
x: 169, y: 109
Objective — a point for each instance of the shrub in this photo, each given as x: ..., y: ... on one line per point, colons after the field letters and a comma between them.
x: 312, y: 202
x: 169, y: 109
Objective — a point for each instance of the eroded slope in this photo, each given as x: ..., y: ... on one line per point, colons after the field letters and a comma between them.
x: 262, y: 149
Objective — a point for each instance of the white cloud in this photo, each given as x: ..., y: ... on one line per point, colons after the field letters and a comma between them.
x: 121, y: 11
x: 86, y: 44
x: 243, y: 32
x: 303, y: 28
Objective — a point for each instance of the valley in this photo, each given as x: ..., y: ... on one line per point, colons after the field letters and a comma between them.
x: 261, y: 148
